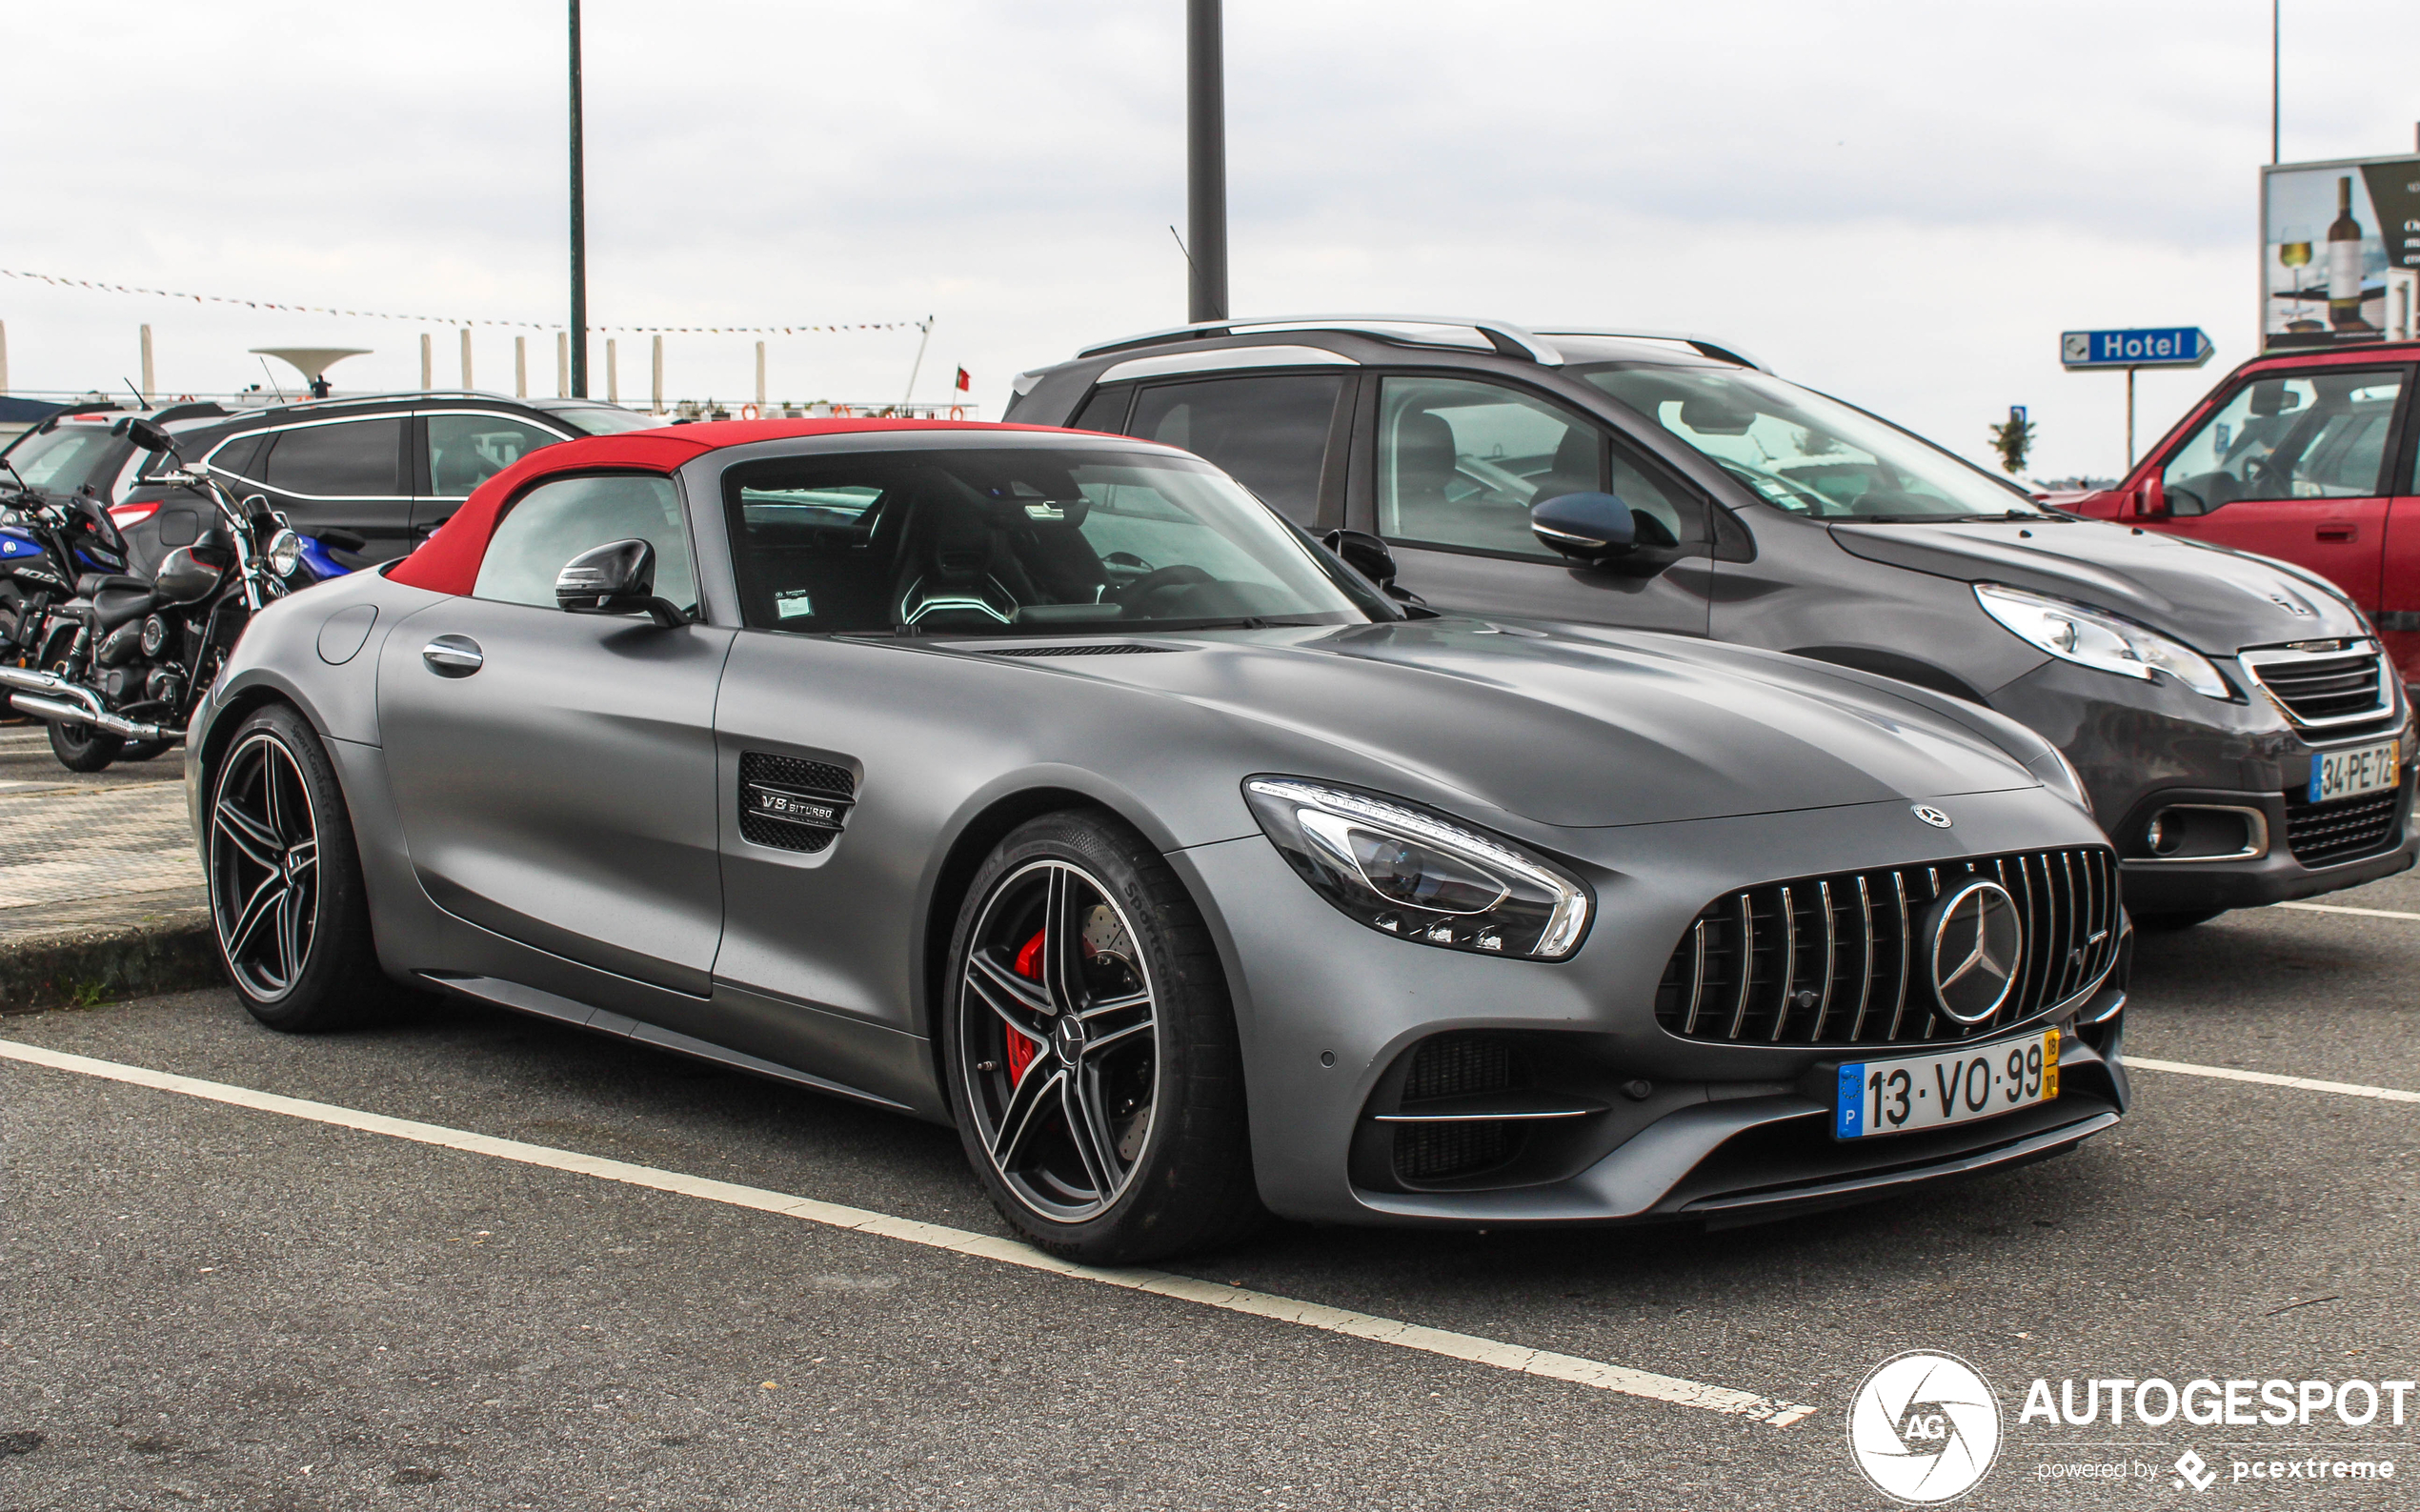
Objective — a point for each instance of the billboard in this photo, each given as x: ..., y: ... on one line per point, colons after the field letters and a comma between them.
x: 2330, y: 234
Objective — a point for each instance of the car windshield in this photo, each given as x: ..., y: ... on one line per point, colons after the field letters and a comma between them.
x: 64, y: 459
x: 602, y: 419
x: 1807, y: 453
x: 1020, y: 540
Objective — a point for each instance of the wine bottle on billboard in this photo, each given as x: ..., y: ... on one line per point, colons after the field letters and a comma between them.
x: 2344, y: 263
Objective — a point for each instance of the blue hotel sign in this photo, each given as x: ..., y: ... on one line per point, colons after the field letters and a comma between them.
x: 2155, y: 347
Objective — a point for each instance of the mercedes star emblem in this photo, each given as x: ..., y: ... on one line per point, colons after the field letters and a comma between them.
x: 1929, y: 814
x: 1977, y: 942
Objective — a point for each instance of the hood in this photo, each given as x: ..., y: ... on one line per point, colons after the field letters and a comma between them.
x: 1611, y: 730
x: 2214, y: 600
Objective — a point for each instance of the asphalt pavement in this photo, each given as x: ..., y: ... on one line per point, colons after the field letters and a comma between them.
x: 206, y: 1304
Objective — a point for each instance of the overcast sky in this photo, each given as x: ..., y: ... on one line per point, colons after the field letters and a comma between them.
x: 1901, y: 201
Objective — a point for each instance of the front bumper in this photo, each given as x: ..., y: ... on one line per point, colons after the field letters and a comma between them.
x: 1330, y: 1015
x: 2145, y: 748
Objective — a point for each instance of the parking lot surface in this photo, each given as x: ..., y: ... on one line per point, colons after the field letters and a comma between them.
x: 209, y: 1304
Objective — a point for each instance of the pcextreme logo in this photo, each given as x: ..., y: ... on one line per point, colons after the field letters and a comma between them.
x: 1924, y: 1427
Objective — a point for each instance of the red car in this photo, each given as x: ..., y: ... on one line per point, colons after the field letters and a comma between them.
x: 2306, y: 456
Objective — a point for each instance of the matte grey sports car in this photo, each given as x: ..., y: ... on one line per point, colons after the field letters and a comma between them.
x: 1050, y: 786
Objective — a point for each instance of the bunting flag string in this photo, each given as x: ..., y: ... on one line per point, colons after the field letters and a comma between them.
x: 798, y: 329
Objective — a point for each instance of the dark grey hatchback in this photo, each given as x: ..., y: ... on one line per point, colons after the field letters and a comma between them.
x: 2242, y: 735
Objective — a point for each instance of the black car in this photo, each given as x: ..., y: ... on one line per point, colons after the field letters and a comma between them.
x: 2241, y: 735
x: 387, y: 469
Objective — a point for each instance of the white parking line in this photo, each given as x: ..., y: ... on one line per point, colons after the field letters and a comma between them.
x: 983, y: 1246
x: 2270, y: 1078
x: 2339, y: 908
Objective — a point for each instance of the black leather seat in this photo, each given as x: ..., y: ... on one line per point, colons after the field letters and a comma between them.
x: 115, y: 605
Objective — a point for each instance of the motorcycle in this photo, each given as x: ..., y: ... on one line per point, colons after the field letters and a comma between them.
x: 119, y: 665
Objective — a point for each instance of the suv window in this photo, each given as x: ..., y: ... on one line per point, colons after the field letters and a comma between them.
x: 2315, y: 436
x: 557, y: 521
x: 1268, y: 432
x: 1460, y: 462
x: 467, y: 450
x: 353, y: 460
x: 62, y: 460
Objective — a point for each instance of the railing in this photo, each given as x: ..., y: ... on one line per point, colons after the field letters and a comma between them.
x: 673, y: 410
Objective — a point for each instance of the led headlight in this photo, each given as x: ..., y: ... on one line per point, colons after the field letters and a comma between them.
x: 1419, y: 875
x: 285, y: 553
x: 2094, y: 638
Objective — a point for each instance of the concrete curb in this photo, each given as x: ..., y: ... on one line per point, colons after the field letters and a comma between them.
x: 169, y: 952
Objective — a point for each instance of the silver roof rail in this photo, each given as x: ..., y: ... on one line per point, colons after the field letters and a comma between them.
x: 1709, y: 346
x: 1499, y: 336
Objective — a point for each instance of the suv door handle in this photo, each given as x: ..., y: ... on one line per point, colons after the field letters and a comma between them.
x: 2337, y: 533
x: 454, y: 655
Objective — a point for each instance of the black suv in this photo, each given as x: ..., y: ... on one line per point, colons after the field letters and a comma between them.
x: 2240, y: 734
x: 386, y: 468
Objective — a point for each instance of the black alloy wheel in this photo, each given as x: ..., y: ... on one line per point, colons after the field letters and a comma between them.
x: 1064, y: 1072
x: 264, y: 867
x: 1092, y: 1057
x: 286, y: 900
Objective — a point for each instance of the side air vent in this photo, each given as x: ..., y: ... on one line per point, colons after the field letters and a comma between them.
x: 792, y: 804
x: 1120, y: 648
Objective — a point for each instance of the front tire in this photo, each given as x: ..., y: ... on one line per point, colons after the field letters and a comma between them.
x: 1089, y: 1049
x: 287, y: 902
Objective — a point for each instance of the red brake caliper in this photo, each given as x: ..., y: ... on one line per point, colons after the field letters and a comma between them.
x: 1022, y: 1050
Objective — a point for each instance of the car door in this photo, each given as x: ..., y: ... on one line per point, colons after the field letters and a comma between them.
x: 2398, y: 612
x: 554, y: 772
x: 832, y: 781
x: 2294, y: 466
x: 347, y: 474
x: 1453, y: 465
x: 458, y: 449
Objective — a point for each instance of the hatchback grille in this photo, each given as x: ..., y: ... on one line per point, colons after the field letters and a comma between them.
x: 2324, y: 833
x: 1840, y: 960
x: 2327, y: 687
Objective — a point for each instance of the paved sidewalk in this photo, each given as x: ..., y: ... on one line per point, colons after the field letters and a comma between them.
x: 100, y: 888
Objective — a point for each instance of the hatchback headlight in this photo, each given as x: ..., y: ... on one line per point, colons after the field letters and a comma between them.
x: 2094, y: 638
x: 285, y: 553
x: 1419, y: 875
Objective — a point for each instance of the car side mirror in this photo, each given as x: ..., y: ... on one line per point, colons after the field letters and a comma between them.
x: 1586, y: 526
x: 1364, y: 553
x: 615, y: 579
x: 2150, y: 501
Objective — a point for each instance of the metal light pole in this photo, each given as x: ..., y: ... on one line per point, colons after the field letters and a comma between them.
x: 2276, y: 31
x: 1205, y: 161
x: 579, y: 225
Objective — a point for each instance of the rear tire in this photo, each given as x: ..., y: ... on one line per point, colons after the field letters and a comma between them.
x: 2169, y: 924
x: 288, y: 907
x: 142, y: 750
x: 81, y: 748
x: 1089, y: 1049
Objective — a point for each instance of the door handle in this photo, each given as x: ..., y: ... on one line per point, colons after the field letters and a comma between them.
x: 454, y: 655
x: 2337, y: 533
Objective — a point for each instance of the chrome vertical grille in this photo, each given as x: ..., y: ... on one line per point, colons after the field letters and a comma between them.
x: 1839, y: 959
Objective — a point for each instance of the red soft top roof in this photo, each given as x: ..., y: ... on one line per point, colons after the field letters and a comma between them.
x: 447, y: 562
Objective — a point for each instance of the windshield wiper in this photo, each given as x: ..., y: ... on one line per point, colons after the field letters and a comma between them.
x: 1946, y: 519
